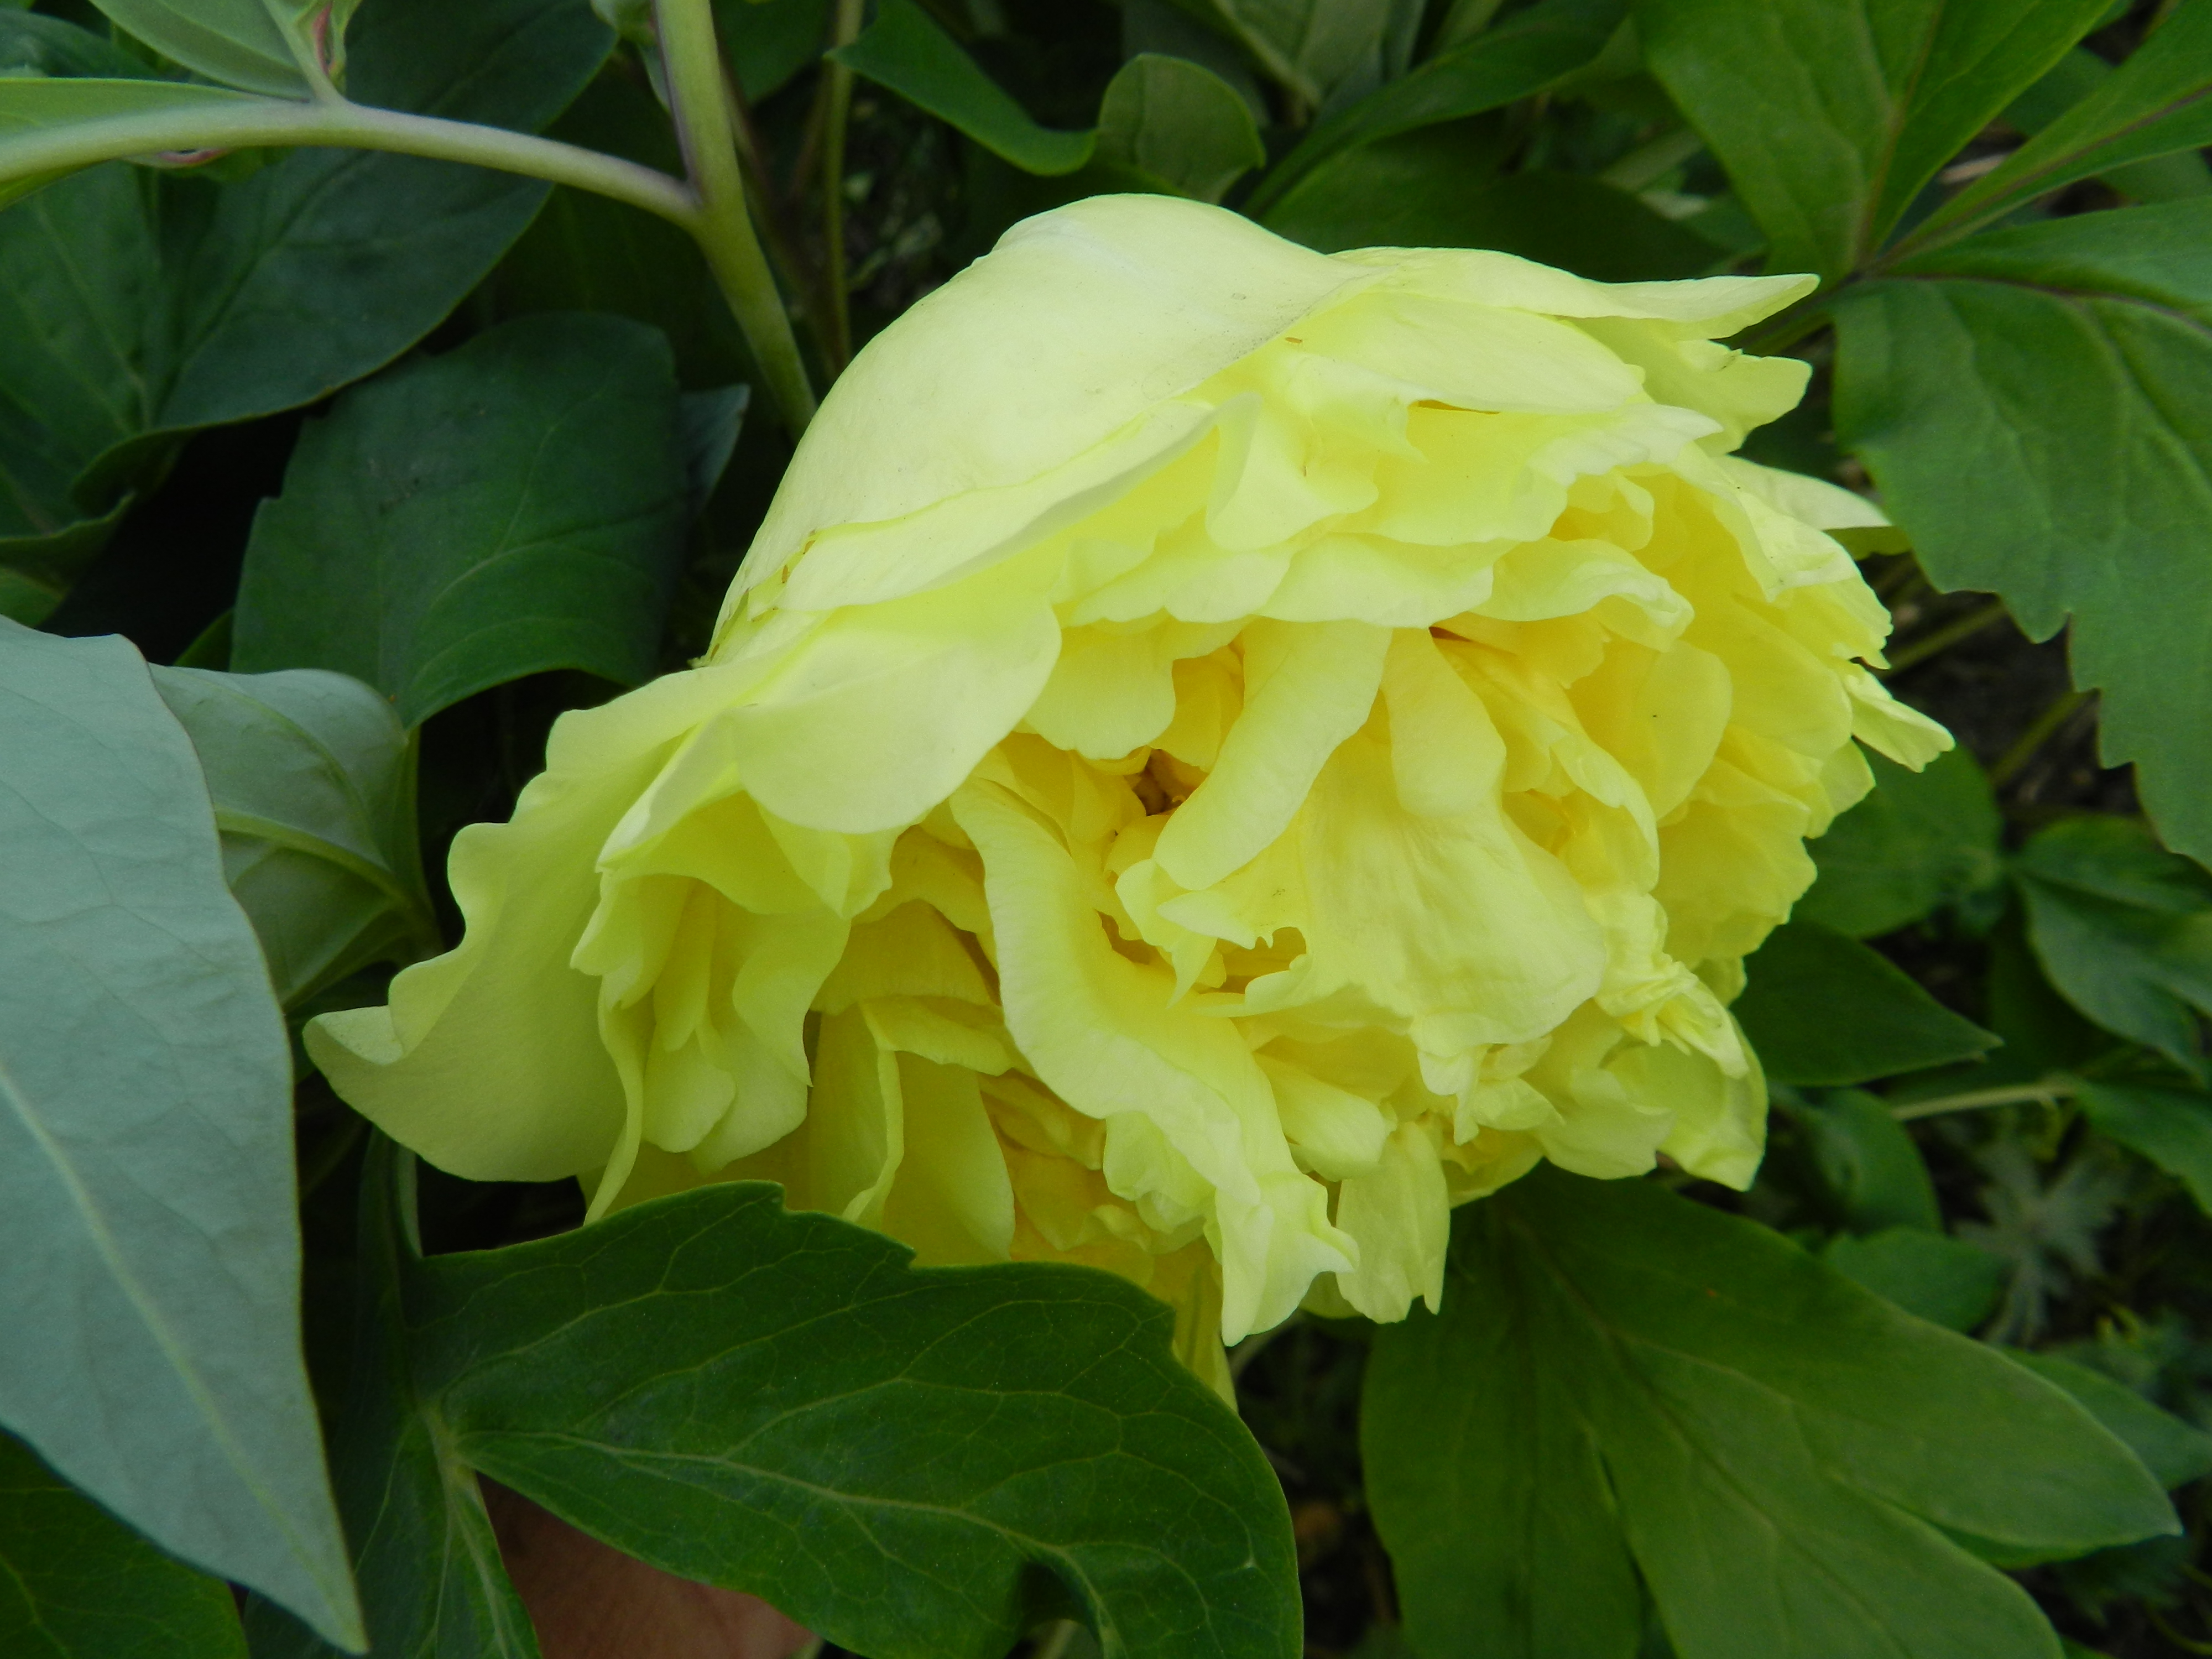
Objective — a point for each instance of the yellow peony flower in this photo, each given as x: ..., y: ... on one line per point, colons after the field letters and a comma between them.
x: 1217, y: 754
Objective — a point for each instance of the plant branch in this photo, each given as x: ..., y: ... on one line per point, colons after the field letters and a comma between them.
x: 2040, y: 730
x: 279, y: 122
x: 2049, y: 1093
x: 835, y: 118
x: 698, y: 100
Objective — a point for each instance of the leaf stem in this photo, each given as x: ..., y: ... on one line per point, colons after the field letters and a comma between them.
x: 835, y: 118
x: 1055, y: 1641
x: 691, y: 56
x: 2048, y: 1092
x: 2040, y: 731
x: 1929, y: 645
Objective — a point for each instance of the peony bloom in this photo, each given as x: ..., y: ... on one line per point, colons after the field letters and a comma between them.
x: 1217, y: 754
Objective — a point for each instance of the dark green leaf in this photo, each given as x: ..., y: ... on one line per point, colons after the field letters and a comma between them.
x: 2079, y: 73
x: 134, y: 308
x: 1943, y: 1280
x: 514, y: 505
x: 1919, y: 839
x: 432, y: 1583
x: 2033, y: 405
x: 1872, y: 1172
x: 254, y: 44
x: 1522, y: 55
x: 1323, y: 51
x: 313, y: 783
x: 904, y: 50
x: 2124, y: 928
x: 1779, y: 1444
x: 31, y: 43
x: 1820, y: 1007
x: 2174, y: 1451
x: 1424, y: 190
x: 585, y: 252
x: 771, y: 40
x: 1830, y: 115
x: 706, y: 427
x: 152, y: 1292
x: 77, y: 1584
x: 2172, y: 1128
x: 1180, y: 122
x: 2159, y: 101
x: 918, y: 1463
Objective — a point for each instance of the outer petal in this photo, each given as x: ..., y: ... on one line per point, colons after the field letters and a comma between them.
x: 487, y: 1060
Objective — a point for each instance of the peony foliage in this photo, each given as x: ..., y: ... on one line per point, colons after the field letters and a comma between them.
x: 1103, y: 829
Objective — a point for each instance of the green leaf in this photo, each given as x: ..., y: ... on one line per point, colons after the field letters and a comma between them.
x: 2124, y: 928
x: 2159, y: 101
x: 313, y: 783
x: 77, y: 1584
x: 1949, y: 385
x: 905, y: 51
x: 33, y: 43
x: 252, y: 44
x: 1180, y: 122
x: 2079, y: 73
x: 514, y: 505
x: 1820, y: 1007
x: 1522, y: 55
x: 1831, y: 115
x: 1778, y: 1444
x: 1920, y: 840
x: 1323, y: 51
x: 918, y: 1463
x: 769, y: 41
x: 2172, y: 1128
x: 1424, y: 190
x: 1943, y: 1280
x: 2175, y: 1452
x: 152, y: 1289
x: 1868, y: 1167
x: 586, y: 253
x: 135, y: 308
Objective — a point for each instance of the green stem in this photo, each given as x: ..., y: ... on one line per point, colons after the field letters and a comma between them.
x: 2049, y: 1093
x: 835, y: 117
x: 1055, y: 1641
x: 1943, y: 639
x: 2040, y: 731
x: 1646, y: 165
x: 278, y: 122
x: 692, y: 58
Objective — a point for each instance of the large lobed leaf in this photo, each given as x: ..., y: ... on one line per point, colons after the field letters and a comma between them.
x: 1624, y: 1384
x: 151, y: 1299
x: 1830, y: 115
x: 2036, y: 405
x: 920, y: 1463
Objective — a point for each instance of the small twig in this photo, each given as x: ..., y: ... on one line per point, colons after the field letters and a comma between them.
x: 1944, y: 638
x: 837, y: 115
x: 2040, y: 730
x: 2048, y: 1092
